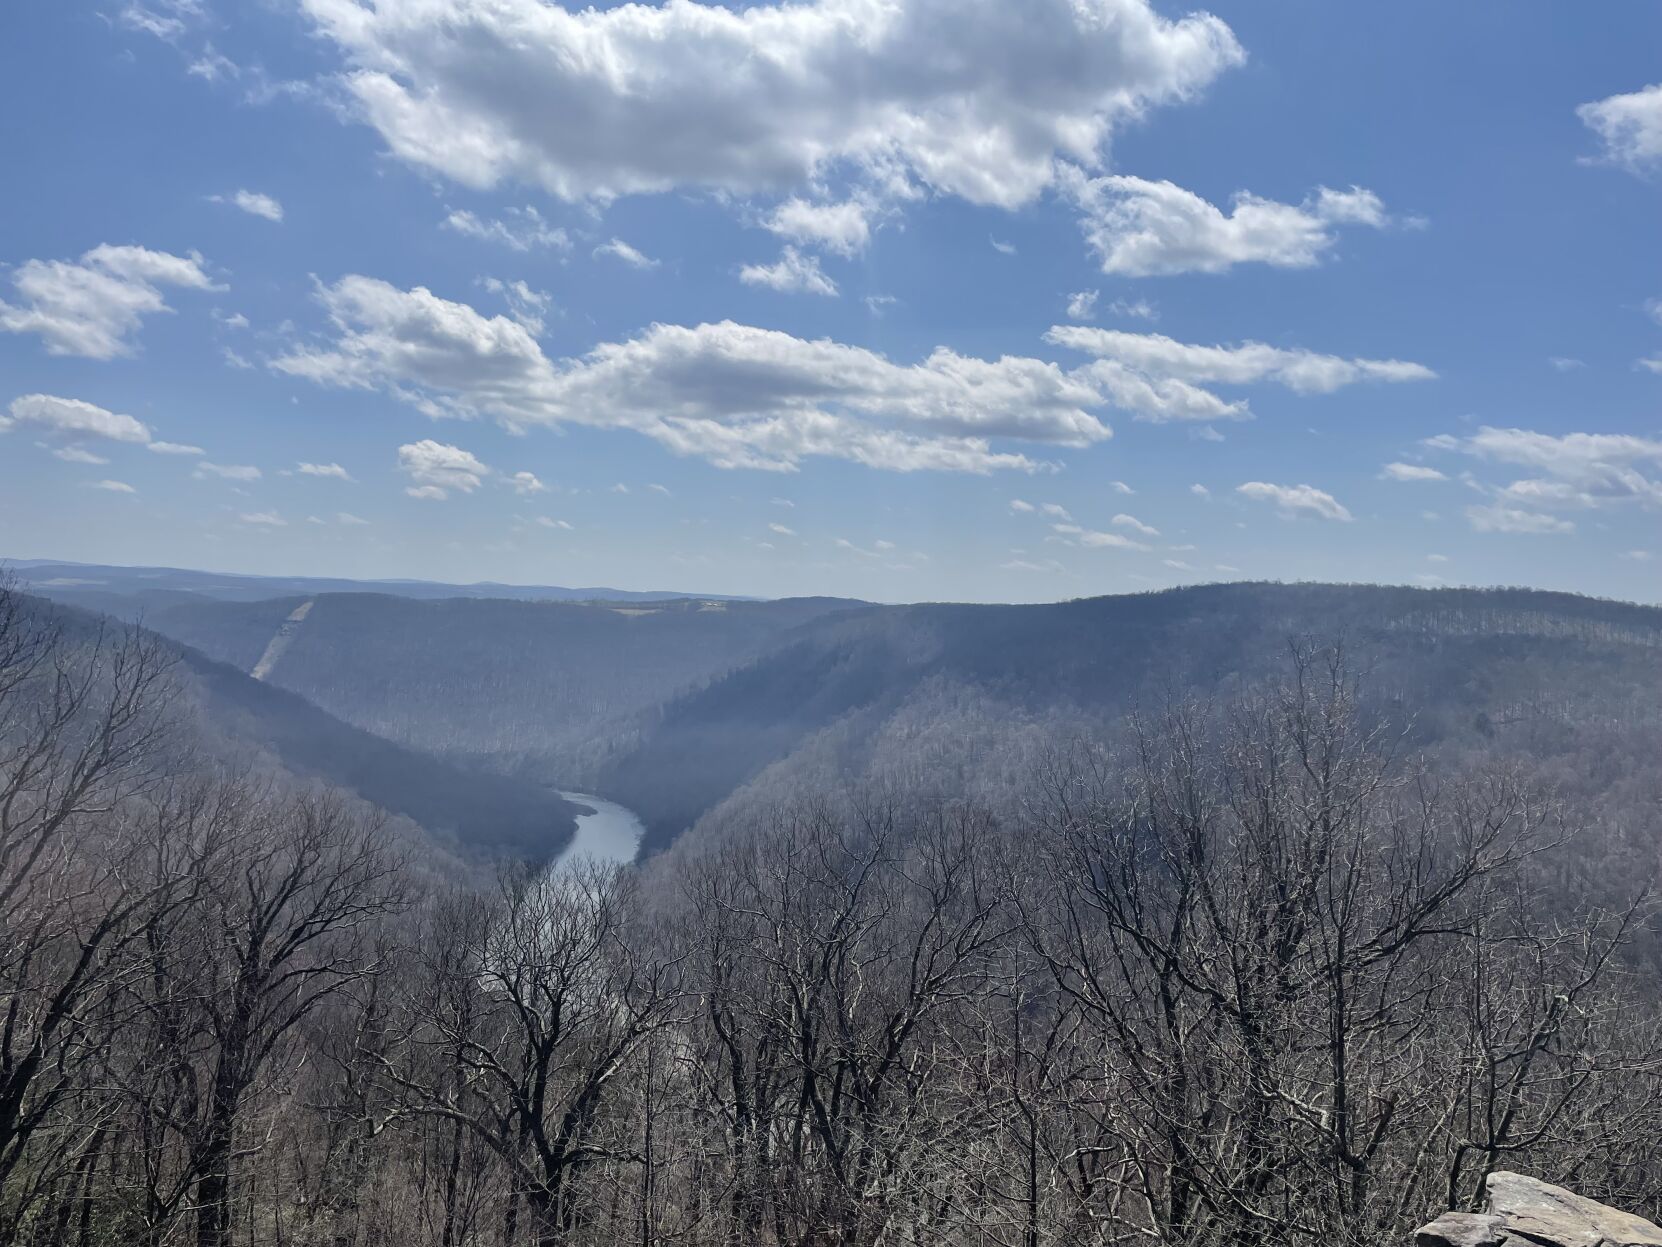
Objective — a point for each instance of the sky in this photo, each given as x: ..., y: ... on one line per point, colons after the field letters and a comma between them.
x: 896, y: 299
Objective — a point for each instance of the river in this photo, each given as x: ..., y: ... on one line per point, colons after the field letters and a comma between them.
x: 612, y: 834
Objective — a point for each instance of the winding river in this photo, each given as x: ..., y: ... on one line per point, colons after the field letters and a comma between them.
x: 611, y: 834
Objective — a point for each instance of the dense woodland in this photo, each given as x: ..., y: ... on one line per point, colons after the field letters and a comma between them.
x: 1280, y: 961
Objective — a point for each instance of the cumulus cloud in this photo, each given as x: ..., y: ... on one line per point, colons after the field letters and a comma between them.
x: 253, y: 203
x: 1295, y: 500
x: 1498, y: 518
x: 1572, y: 470
x: 975, y: 98
x: 1020, y: 507
x: 1629, y: 126
x: 1073, y: 534
x: 1140, y: 228
x: 549, y: 522
x: 91, y: 307
x: 71, y: 420
x: 733, y: 394
x: 1411, y: 472
x: 618, y: 249
x: 521, y: 229
x: 174, y: 448
x: 1135, y: 525
x: 324, y: 469
x: 263, y: 519
x: 437, y: 468
x: 843, y: 227
x: 1082, y: 304
x: 526, y: 483
x: 226, y: 471
x: 115, y: 487
x: 75, y: 454
x: 793, y: 273
x: 1160, y: 379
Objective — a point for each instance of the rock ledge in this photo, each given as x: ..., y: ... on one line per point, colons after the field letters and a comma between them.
x: 1525, y: 1212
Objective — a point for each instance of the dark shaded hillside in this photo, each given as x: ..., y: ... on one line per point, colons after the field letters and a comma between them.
x: 548, y: 687
x: 1544, y: 669
x: 473, y: 812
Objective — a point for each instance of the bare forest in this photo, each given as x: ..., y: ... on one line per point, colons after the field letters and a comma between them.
x: 1252, y: 970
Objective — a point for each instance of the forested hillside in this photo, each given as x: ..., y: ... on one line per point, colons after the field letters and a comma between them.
x: 959, y: 698
x: 1280, y: 962
x: 549, y: 688
x: 234, y: 720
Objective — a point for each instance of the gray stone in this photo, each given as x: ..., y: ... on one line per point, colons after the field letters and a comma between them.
x: 1462, y: 1229
x: 1550, y: 1214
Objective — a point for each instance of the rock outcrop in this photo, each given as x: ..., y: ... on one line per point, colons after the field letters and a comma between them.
x: 1525, y: 1212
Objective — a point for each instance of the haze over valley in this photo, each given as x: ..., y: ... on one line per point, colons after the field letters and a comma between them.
x: 831, y: 623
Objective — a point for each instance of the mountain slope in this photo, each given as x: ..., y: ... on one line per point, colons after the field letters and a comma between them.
x: 950, y: 690
x: 471, y: 812
x: 548, y: 687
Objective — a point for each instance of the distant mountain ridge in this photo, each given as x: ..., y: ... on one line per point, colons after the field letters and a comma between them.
x: 52, y: 575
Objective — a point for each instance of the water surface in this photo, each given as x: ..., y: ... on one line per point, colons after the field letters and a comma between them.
x: 612, y: 834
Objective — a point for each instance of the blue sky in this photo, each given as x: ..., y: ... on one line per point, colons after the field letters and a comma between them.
x: 902, y: 299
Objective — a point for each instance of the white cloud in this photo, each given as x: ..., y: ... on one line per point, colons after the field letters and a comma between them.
x: 1177, y: 565
x: 1020, y: 507
x: 793, y: 273
x: 437, y: 468
x: 1563, y: 363
x: 844, y: 227
x: 1575, y: 470
x: 1134, y: 309
x: 1200, y: 491
x: 527, y: 306
x: 1160, y: 379
x: 975, y: 98
x: 348, y: 519
x: 1630, y: 127
x: 1497, y: 518
x: 623, y: 251
x: 877, y: 304
x: 226, y: 471
x: 1411, y: 472
x: 782, y: 530
x: 115, y: 487
x: 1003, y: 248
x: 1635, y: 556
x: 1082, y: 304
x: 324, y: 469
x: 735, y: 395
x: 92, y: 307
x: 521, y: 229
x: 549, y: 522
x: 526, y: 483
x: 263, y: 519
x: 253, y: 203
x: 1134, y: 524
x: 1120, y: 487
x: 1140, y: 228
x: 659, y: 489
x: 1055, y: 510
x: 174, y: 448
x: 1294, y: 500
x: 1075, y: 535
x: 71, y: 420
x: 74, y: 454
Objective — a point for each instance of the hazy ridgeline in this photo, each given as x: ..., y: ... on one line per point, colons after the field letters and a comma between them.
x: 1112, y: 922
